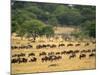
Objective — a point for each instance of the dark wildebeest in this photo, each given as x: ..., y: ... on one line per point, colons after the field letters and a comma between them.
x: 93, y: 42
x: 30, y: 46
x: 57, y: 53
x: 82, y: 56
x: 44, y: 46
x: 44, y: 59
x: 93, y: 50
x: 69, y: 52
x: 22, y: 54
x: 88, y: 51
x: 73, y: 55
x: 61, y: 45
x: 38, y: 46
x: 64, y: 52
x: 76, y: 51
x: 51, y: 53
x: 24, y: 60
x: 34, y: 59
x: 14, y: 60
x: 48, y: 45
x: 43, y: 53
x: 31, y: 54
x: 69, y: 45
x: 77, y: 44
x: 86, y: 44
x: 92, y: 55
x: 52, y: 46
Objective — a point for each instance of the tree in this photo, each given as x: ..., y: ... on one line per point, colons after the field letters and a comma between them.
x: 89, y: 28
x: 33, y: 27
x: 48, y: 31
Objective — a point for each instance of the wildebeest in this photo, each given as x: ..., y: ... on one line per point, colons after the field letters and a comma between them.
x: 93, y: 50
x: 64, y: 52
x: 86, y: 44
x: 50, y: 58
x: 19, y: 55
x: 33, y: 59
x: 86, y: 51
x: 52, y: 46
x: 38, y: 46
x: 82, y: 56
x: 92, y: 55
x: 72, y: 55
x: 57, y: 53
x: 77, y: 44
x: 50, y: 53
x: 31, y: 54
x: 93, y: 42
x: 69, y: 52
x: 18, y: 60
x: 42, y: 54
x: 69, y: 45
x: 60, y: 45
x: 76, y: 51
x: 22, y: 47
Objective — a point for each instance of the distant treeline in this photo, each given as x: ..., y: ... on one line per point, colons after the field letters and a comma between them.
x: 51, y: 15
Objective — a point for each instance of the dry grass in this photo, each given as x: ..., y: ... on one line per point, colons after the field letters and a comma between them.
x: 63, y: 64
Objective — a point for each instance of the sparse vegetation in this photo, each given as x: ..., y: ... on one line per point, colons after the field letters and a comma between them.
x: 52, y: 37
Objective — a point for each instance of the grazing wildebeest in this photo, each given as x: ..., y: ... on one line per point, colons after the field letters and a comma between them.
x: 52, y: 46
x: 24, y: 60
x: 93, y: 50
x: 34, y: 59
x: 77, y: 44
x: 44, y: 46
x: 86, y: 44
x: 57, y: 53
x: 21, y: 54
x: 45, y: 58
x: 69, y: 45
x: 19, y: 60
x: 50, y: 58
x: 14, y: 47
x: 82, y: 56
x: 60, y: 45
x: 83, y: 51
x: 50, y: 53
x: 30, y: 46
x: 93, y: 42
x: 15, y: 55
x: 72, y: 55
x: 42, y: 54
x: 31, y: 54
x: 69, y: 52
x: 88, y: 51
x: 92, y: 55
x: 48, y: 45
x: 14, y: 60
x: 64, y: 52
x: 76, y: 51
x: 38, y: 46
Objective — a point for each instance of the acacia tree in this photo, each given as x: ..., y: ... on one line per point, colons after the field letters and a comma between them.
x: 34, y: 28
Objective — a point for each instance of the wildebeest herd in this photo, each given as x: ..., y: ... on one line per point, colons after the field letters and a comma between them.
x: 29, y: 46
x: 27, y: 56
x: 51, y: 56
